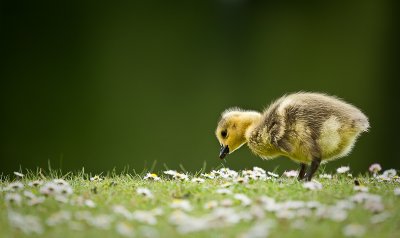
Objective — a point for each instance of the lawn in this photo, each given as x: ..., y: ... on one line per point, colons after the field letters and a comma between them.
x: 220, y: 203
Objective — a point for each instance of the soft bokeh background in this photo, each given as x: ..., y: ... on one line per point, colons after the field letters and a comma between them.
x: 108, y: 86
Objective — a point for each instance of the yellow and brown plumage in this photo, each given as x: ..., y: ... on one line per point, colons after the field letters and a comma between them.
x: 309, y: 128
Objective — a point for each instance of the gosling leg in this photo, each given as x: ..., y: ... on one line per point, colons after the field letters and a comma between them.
x: 314, y: 166
x: 302, y: 171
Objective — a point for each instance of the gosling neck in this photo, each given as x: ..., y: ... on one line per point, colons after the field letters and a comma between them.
x: 251, y: 120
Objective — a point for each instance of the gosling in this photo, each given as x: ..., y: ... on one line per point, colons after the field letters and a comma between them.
x: 308, y: 128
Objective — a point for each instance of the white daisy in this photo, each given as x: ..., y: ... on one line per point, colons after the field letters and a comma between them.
x: 170, y: 172
x: 13, y: 199
x: 83, y: 215
x: 331, y: 212
x: 151, y: 176
x: 390, y: 173
x: 344, y: 205
x: 258, y: 170
x: 343, y: 169
x: 245, y: 200
x: 61, y: 198
x: 291, y: 173
x: 313, y: 204
x: 312, y: 185
x: 379, y: 218
x: 181, y: 204
x: 303, y: 212
x: 293, y: 204
x: 259, y: 176
x: 273, y: 174
x: 226, y: 185
x: 121, y: 210
x: 15, y: 186
x: 247, y: 173
x: 158, y: 211
x: 145, y: 192
x: 226, y: 216
x: 35, y: 201
x: 209, y: 176
x: 65, y: 190
x: 181, y: 176
x: 257, y: 212
x: 177, y: 217
x: 194, y: 224
x: 360, y: 188
x: 28, y: 224
x: 363, y: 197
x: 242, y: 180
x: 224, y: 173
x: 60, y: 182
x: 269, y: 204
x: 49, y: 188
x: 90, y: 203
x: 325, y: 176
x: 375, y: 168
x: 101, y: 221
x: 374, y: 206
x: 29, y: 195
x: 198, y: 180
x: 35, y: 183
x: 58, y: 218
x: 229, y: 173
x: 144, y: 217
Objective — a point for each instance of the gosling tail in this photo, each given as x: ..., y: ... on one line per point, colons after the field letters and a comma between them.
x: 362, y: 123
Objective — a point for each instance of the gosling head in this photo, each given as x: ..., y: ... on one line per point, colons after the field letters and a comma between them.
x: 232, y: 128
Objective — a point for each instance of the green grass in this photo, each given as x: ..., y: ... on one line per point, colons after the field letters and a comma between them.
x: 121, y: 190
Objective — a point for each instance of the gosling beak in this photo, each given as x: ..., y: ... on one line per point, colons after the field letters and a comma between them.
x: 223, y: 152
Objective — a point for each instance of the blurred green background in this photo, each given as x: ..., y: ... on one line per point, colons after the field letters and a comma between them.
x: 105, y: 86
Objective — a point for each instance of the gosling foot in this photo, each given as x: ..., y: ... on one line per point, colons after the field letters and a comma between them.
x: 313, y: 168
x: 302, y: 172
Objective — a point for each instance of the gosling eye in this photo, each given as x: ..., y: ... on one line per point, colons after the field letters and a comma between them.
x: 224, y: 133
